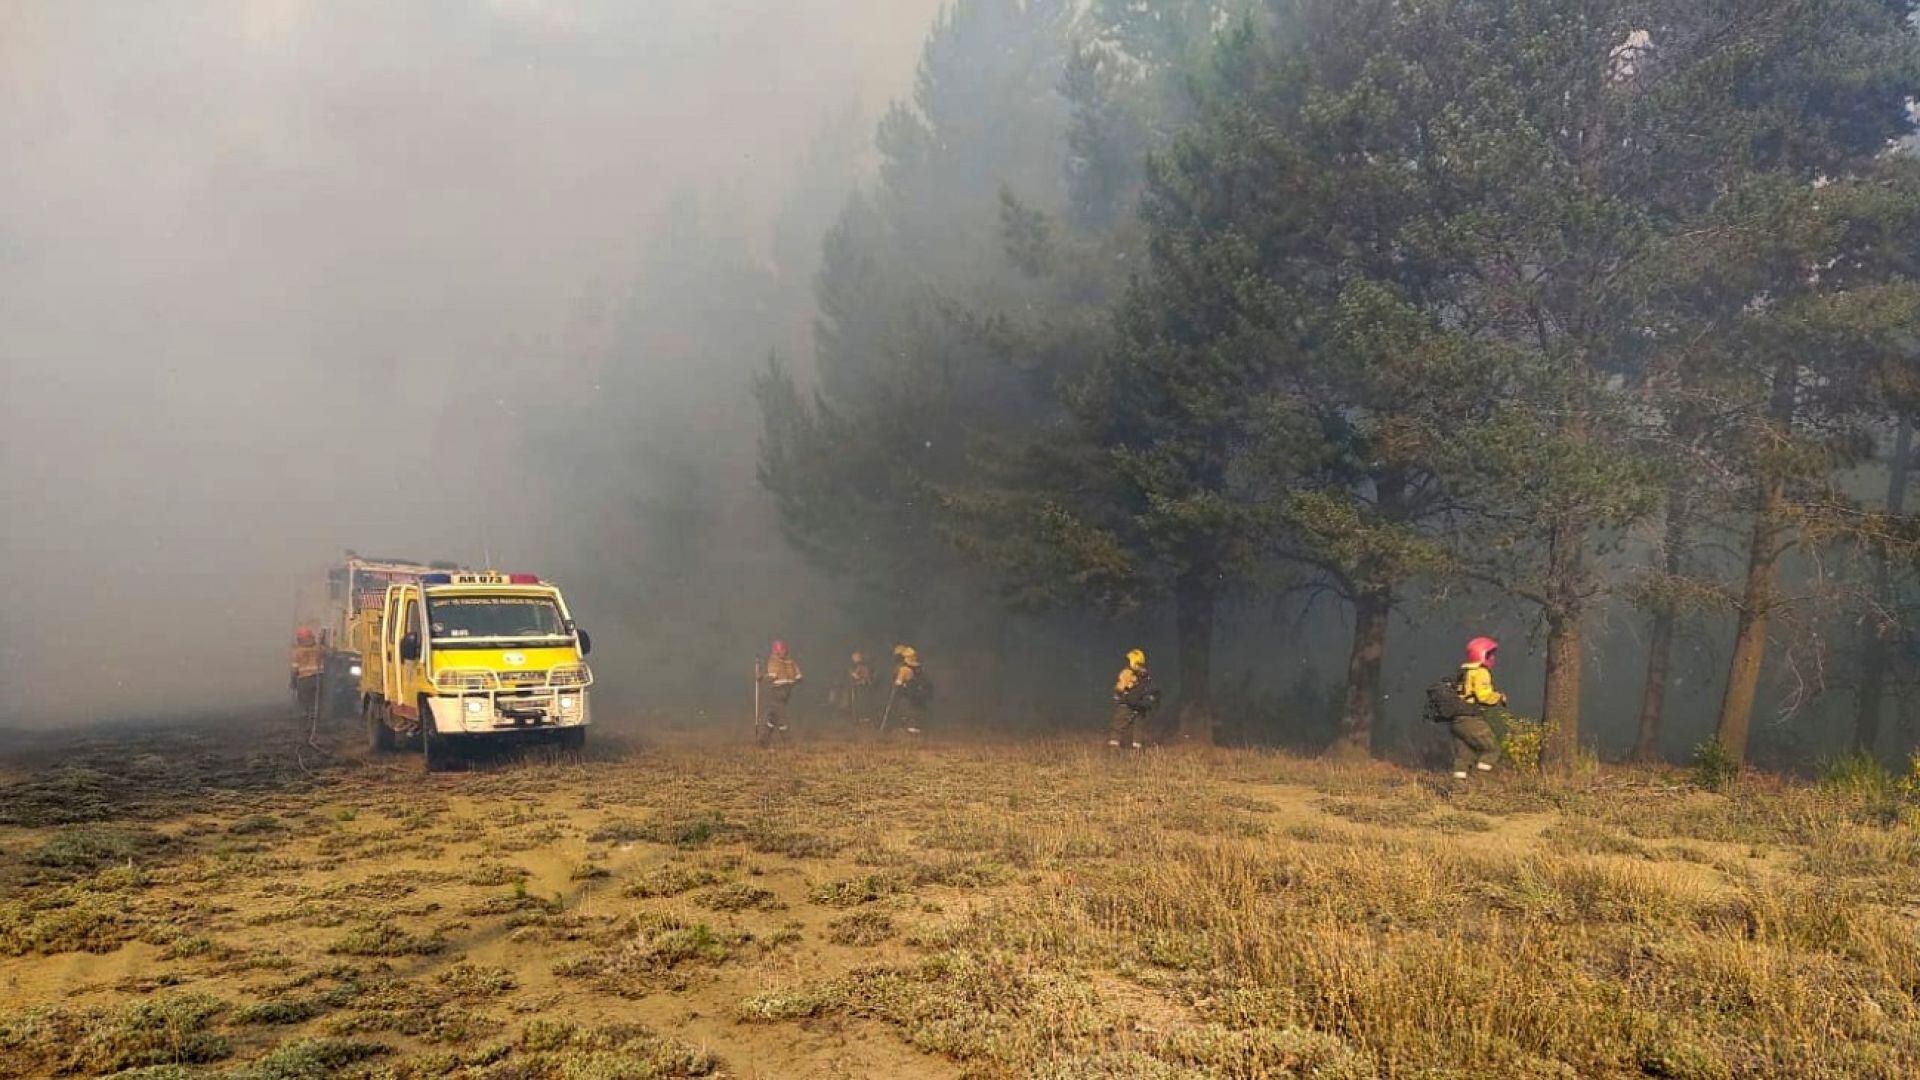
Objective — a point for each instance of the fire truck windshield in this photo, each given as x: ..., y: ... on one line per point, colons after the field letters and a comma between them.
x: 493, y: 619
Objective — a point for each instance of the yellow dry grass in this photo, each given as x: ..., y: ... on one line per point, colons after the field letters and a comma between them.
x: 1007, y: 910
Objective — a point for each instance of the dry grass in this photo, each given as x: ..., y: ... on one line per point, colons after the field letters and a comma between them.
x: 995, y: 911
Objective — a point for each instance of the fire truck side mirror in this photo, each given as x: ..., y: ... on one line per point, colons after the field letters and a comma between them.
x: 410, y: 647
x: 586, y: 641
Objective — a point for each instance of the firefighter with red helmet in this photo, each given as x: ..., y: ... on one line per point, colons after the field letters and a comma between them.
x: 782, y: 674
x: 1474, y: 745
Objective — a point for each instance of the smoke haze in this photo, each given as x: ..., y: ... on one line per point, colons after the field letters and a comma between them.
x: 279, y: 278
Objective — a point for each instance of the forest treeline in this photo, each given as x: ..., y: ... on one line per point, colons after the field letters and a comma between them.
x: 1161, y: 306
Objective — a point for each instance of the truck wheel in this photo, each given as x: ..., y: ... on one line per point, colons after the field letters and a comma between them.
x: 433, y: 748
x: 379, y: 735
x: 573, y: 739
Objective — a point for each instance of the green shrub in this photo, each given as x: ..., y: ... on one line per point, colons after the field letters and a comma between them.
x: 498, y: 874
x: 670, y: 880
x: 1713, y: 767
x: 852, y: 892
x: 476, y: 981
x: 864, y: 927
x: 647, y: 961
x: 158, y: 1031
x: 310, y: 1059
x: 738, y: 896
x: 1858, y: 774
x: 625, y: 1051
x: 384, y: 939
x: 82, y: 849
x: 1521, y: 742
x: 281, y: 1011
x: 88, y: 923
x: 256, y: 823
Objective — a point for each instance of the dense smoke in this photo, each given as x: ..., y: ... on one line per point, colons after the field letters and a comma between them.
x: 1028, y: 331
x: 280, y: 278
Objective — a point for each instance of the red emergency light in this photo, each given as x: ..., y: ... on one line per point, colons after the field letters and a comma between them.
x: 523, y: 579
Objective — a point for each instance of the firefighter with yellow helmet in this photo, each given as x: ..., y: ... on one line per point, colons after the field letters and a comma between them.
x: 1134, y: 698
x: 911, y: 690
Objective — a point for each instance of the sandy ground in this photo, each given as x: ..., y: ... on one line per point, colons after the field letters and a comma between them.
x: 668, y: 882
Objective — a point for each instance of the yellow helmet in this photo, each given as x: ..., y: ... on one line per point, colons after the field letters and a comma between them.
x: 857, y: 658
x: 908, y: 656
x: 1136, y: 659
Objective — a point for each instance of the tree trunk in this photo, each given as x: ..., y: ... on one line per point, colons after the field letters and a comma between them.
x: 1371, y: 610
x: 1193, y: 616
x: 1561, y: 710
x: 1873, y: 687
x: 997, y: 659
x: 1653, y: 697
x: 1908, y: 707
x: 1567, y: 571
x: 1750, y: 638
x: 1873, y: 659
x: 1756, y: 606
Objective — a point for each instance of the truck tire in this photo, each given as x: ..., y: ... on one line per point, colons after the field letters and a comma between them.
x: 573, y: 739
x: 379, y: 735
x: 433, y: 748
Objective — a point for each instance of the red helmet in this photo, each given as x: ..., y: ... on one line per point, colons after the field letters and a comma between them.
x: 304, y: 635
x: 1480, y: 651
x: 779, y: 648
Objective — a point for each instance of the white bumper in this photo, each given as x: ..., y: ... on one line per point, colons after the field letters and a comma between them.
x: 504, y: 714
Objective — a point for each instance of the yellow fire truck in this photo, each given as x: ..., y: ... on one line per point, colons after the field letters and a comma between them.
x: 464, y: 656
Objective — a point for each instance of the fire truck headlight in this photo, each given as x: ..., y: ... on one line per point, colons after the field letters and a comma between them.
x: 475, y: 705
x: 568, y: 704
x: 354, y: 670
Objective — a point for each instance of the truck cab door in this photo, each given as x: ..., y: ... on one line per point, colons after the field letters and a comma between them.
x: 412, y: 625
x: 390, y: 683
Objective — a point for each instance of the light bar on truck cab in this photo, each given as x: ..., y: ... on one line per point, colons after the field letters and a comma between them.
x: 487, y: 578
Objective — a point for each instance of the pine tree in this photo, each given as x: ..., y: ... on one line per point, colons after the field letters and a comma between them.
x: 905, y: 369
x: 1282, y: 345
x: 1814, y: 316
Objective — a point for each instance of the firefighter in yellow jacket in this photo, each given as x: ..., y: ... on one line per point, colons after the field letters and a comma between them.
x: 781, y: 675
x: 1473, y: 743
x: 911, y: 689
x: 857, y: 695
x: 308, y: 660
x: 1134, y: 697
